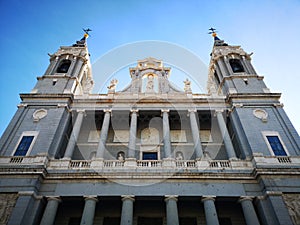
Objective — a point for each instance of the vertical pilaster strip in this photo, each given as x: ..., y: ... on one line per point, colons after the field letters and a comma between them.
x: 132, y: 134
x: 210, y: 210
x: 226, y: 138
x: 50, y: 211
x: 89, y: 210
x: 103, y: 134
x: 171, y: 209
x: 74, y: 135
x: 249, y: 211
x: 127, y: 210
x: 195, y: 132
x: 166, y: 133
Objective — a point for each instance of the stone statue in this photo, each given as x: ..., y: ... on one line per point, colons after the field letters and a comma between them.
x: 187, y: 85
x: 112, y: 85
x: 150, y: 84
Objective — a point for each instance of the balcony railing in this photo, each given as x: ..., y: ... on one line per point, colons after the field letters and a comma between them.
x: 258, y: 160
x: 113, y: 163
x: 186, y: 164
x: 220, y: 164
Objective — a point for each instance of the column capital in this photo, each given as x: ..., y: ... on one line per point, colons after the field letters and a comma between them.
x: 218, y: 111
x: 165, y: 110
x: 246, y: 198
x: 90, y: 197
x: 208, y: 197
x: 134, y: 111
x: 192, y: 110
x: 80, y: 110
x: 127, y: 197
x: 107, y: 110
x: 171, y: 197
x: 274, y: 193
x: 53, y: 198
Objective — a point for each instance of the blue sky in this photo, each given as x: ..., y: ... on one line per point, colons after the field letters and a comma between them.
x: 31, y: 29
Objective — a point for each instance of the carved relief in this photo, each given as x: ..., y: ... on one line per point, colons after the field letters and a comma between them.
x: 261, y: 114
x: 121, y: 136
x: 39, y: 114
x: 7, y: 202
x: 292, y: 202
x: 178, y: 136
x: 150, y: 136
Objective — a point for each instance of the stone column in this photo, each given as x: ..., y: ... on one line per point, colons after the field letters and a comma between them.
x: 74, y: 135
x: 132, y: 134
x: 166, y: 133
x: 70, y: 70
x: 127, y: 210
x: 171, y: 209
x: 226, y: 138
x: 228, y: 65
x: 103, y: 134
x: 50, y: 211
x: 210, y: 210
x: 249, y: 211
x: 222, y: 67
x: 89, y: 210
x: 195, y: 132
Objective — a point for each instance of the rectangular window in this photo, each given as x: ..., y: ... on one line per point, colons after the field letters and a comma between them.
x: 24, y: 145
x: 149, y: 155
x: 275, y: 143
x: 276, y: 146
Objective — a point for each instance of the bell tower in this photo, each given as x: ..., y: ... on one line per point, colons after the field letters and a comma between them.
x: 69, y: 71
x: 255, y: 117
x: 231, y: 70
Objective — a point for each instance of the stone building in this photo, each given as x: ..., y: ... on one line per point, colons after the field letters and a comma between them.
x: 150, y: 154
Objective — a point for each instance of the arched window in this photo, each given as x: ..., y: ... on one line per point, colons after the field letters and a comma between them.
x: 64, y: 66
x: 236, y: 66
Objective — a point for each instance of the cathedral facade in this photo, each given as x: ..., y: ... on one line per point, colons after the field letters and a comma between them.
x: 150, y: 154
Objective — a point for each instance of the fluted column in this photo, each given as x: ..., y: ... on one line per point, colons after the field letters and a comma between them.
x: 132, y: 134
x: 195, y: 132
x: 127, y: 210
x: 89, y: 210
x: 103, y: 134
x: 166, y: 133
x: 171, y: 209
x: 50, y: 211
x: 74, y: 135
x: 249, y: 211
x: 226, y: 138
x: 210, y: 210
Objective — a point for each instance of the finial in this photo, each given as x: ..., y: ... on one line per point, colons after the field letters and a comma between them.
x: 217, y: 42
x: 86, y: 32
x: 82, y: 42
x: 213, y: 33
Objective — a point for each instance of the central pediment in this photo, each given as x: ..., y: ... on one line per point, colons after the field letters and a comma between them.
x: 150, y: 76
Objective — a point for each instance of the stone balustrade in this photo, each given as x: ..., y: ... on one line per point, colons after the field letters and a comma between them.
x: 258, y: 160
